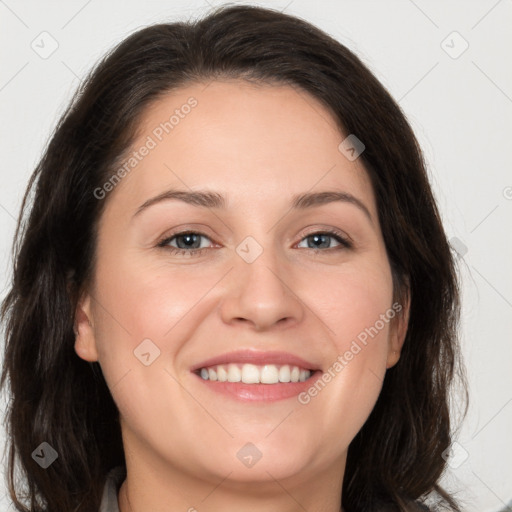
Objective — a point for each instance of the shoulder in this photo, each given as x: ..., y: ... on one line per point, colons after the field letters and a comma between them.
x: 115, y: 478
x: 420, y: 507
x: 417, y: 506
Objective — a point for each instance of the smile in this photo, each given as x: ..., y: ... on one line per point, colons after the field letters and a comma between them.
x: 255, y: 374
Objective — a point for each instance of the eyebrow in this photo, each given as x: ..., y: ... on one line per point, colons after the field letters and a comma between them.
x: 212, y: 199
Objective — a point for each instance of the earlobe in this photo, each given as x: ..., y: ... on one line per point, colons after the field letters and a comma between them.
x: 392, y: 359
x: 85, y: 342
x: 398, y: 333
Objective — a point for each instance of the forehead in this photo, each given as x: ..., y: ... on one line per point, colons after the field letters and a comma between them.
x: 254, y: 142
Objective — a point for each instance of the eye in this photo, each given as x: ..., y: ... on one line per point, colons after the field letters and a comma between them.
x: 188, y: 242
x: 321, y: 238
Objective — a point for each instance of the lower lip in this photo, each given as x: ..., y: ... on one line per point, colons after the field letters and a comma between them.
x: 260, y: 392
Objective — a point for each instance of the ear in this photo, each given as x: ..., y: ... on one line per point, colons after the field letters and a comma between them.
x: 398, y: 329
x: 85, y: 342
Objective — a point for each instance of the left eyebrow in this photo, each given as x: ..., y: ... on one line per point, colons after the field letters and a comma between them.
x: 212, y: 199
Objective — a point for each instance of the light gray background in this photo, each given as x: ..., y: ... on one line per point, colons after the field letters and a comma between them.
x: 460, y: 109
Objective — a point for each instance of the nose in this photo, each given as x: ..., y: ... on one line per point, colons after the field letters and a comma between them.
x: 261, y: 293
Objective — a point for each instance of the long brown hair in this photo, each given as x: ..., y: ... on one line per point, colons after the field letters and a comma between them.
x: 58, y: 398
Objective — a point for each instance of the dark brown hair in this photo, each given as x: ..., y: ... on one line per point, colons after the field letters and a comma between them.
x: 56, y: 397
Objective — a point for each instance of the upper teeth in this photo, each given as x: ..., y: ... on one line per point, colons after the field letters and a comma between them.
x: 252, y: 374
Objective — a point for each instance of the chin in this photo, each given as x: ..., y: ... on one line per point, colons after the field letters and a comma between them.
x: 264, y: 459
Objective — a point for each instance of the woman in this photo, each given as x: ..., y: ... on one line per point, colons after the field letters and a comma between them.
x: 233, y: 289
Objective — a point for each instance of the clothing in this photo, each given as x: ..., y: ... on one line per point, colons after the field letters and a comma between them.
x: 115, y: 478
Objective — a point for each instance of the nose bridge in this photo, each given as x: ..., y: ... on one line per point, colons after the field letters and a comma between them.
x: 261, y: 263
x: 260, y: 291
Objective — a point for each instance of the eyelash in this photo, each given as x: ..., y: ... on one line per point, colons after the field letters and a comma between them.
x: 345, y: 243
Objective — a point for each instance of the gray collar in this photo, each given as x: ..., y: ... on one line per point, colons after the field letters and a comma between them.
x: 115, y: 478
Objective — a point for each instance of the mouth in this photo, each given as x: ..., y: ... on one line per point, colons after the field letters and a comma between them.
x: 257, y: 376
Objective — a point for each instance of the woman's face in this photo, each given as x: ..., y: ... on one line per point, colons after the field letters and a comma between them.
x: 263, y: 286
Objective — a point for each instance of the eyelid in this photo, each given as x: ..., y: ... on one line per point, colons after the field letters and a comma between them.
x: 184, y: 229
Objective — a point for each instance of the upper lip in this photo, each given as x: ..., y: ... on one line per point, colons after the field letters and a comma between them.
x: 258, y: 358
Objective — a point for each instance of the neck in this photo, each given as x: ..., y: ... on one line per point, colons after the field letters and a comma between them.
x: 159, y: 489
x: 125, y: 505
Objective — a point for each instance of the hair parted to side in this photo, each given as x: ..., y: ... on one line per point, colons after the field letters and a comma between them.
x: 57, y: 397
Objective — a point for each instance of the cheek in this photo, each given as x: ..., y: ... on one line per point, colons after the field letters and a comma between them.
x: 147, y: 302
x: 353, y: 303
x: 146, y: 309
x: 356, y: 316
x: 356, y: 309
